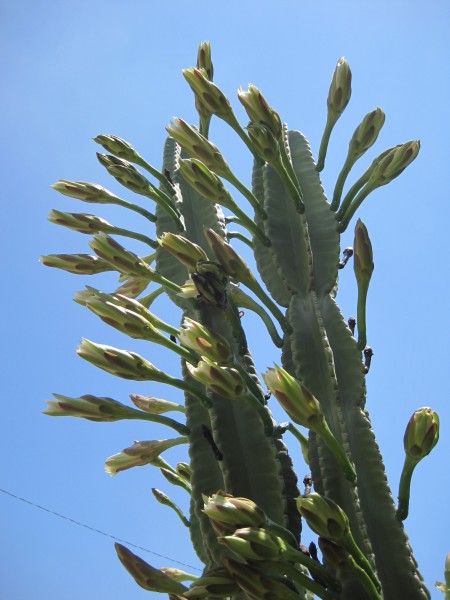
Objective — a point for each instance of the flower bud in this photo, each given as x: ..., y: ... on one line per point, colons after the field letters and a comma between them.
x: 205, y: 182
x: 204, y: 341
x: 393, y: 163
x: 223, y: 381
x: 365, y: 135
x: 363, y: 254
x: 149, y: 578
x: 89, y: 407
x: 184, y: 470
x: 234, y: 265
x: 324, y: 517
x: 259, y: 111
x: 215, y: 583
x: 121, y: 363
x: 204, y: 60
x: 208, y: 93
x: 337, y: 557
x: 81, y: 222
x: 422, y: 433
x: 139, y: 454
x: 83, y: 190
x: 210, y: 281
x: 254, y: 543
x: 118, y: 146
x: 265, y: 142
x: 198, y: 146
x: 340, y: 90
x: 155, y: 406
x: 183, y: 249
x: 126, y: 174
x: 228, y: 513
x: 299, y: 403
x: 79, y: 264
x: 118, y: 257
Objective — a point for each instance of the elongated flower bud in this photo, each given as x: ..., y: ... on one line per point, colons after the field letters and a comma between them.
x: 259, y: 111
x: 234, y: 265
x: 124, y: 364
x: 254, y: 543
x: 164, y: 499
x: 208, y: 93
x: 139, y: 454
x: 118, y: 257
x: 118, y: 146
x: 149, y: 578
x: 83, y: 190
x: 205, y: 182
x: 363, y: 267
x: 366, y: 134
x: 198, y: 146
x: 223, y: 381
x: 204, y: 60
x: 155, y: 406
x: 204, y: 341
x: 265, y: 143
x: 79, y: 264
x: 216, y: 583
x: 340, y: 90
x: 81, y: 222
x: 228, y: 513
x: 324, y: 517
x: 422, y: 433
x: 89, y: 407
x: 393, y: 163
x: 126, y: 174
x: 183, y: 249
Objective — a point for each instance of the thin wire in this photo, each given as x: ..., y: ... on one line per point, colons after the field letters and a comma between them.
x: 113, y: 537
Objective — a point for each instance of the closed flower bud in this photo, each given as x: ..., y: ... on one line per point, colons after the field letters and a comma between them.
x: 81, y: 222
x: 324, y: 517
x: 422, y: 433
x: 89, y: 407
x: 139, y: 454
x: 184, y: 470
x: 79, y: 264
x: 205, y: 342
x: 255, y: 543
x: 204, y: 60
x: 155, y: 406
x: 233, y: 513
x: 205, y: 182
x: 215, y: 583
x: 117, y: 146
x: 183, y: 249
x: 210, y: 281
x: 393, y: 163
x: 208, y: 93
x: 83, y: 190
x: 340, y: 90
x: 366, y: 134
x: 337, y: 557
x: 234, y: 265
x: 265, y: 142
x: 223, y: 381
x: 362, y: 254
x: 198, y: 146
x: 299, y: 403
x: 118, y: 257
x: 259, y: 111
x: 126, y: 174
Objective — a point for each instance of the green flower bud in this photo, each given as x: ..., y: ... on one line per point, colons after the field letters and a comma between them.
x: 223, y: 381
x: 204, y: 60
x: 362, y: 254
x: 126, y: 174
x: 81, y: 222
x: 208, y: 93
x: 178, y: 574
x: 83, y: 190
x: 337, y: 557
x: 118, y: 146
x: 393, y: 163
x: 324, y: 517
x: 254, y: 543
x: 205, y: 182
x: 204, y: 341
x: 118, y: 257
x: 164, y: 499
x: 198, y: 146
x: 140, y: 454
x: 89, y: 407
x: 422, y: 433
x: 265, y: 143
x: 79, y: 264
x: 340, y: 90
x: 234, y: 265
x: 228, y: 513
x: 155, y: 406
x: 149, y: 578
x: 121, y: 363
x: 216, y: 583
x: 133, y: 287
x: 299, y: 403
x: 183, y: 249
x: 365, y: 135
x: 210, y: 281
x: 259, y: 111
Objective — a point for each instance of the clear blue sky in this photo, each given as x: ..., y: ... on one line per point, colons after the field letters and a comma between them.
x: 74, y: 70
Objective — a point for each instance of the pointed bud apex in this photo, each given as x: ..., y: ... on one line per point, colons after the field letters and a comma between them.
x: 178, y: 574
x: 118, y: 146
x: 164, y: 499
x: 223, y: 381
x: 340, y: 90
x: 89, y: 407
x: 121, y: 363
x: 79, y: 264
x: 228, y: 513
x: 363, y: 254
x: 133, y: 287
x: 118, y: 257
x: 265, y: 143
x: 81, y: 222
x: 393, y: 163
x: 204, y: 341
x: 204, y: 59
x: 255, y: 543
x: 299, y: 403
x: 208, y: 93
x: 83, y: 190
x: 184, y: 470
x: 234, y: 265
x: 259, y: 111
x: 183, y: 249
x: 324, y: 517
x: 210, y: 281
x: 215, y: 583
x: 205, y: 182
x: 139, y: 454
x: 365, y: 135
x: 198, y: 146
x: 146, y: 576
x: 155, y: 406
x: 422, y: 433
x: 126, y: 174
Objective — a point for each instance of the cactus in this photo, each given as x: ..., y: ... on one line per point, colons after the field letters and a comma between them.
x: 245, y: 511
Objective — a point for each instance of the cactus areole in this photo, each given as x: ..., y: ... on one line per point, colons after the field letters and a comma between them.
x: 243, y: 508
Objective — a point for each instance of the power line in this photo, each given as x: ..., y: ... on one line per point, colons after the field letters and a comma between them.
x: 113, y: 537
